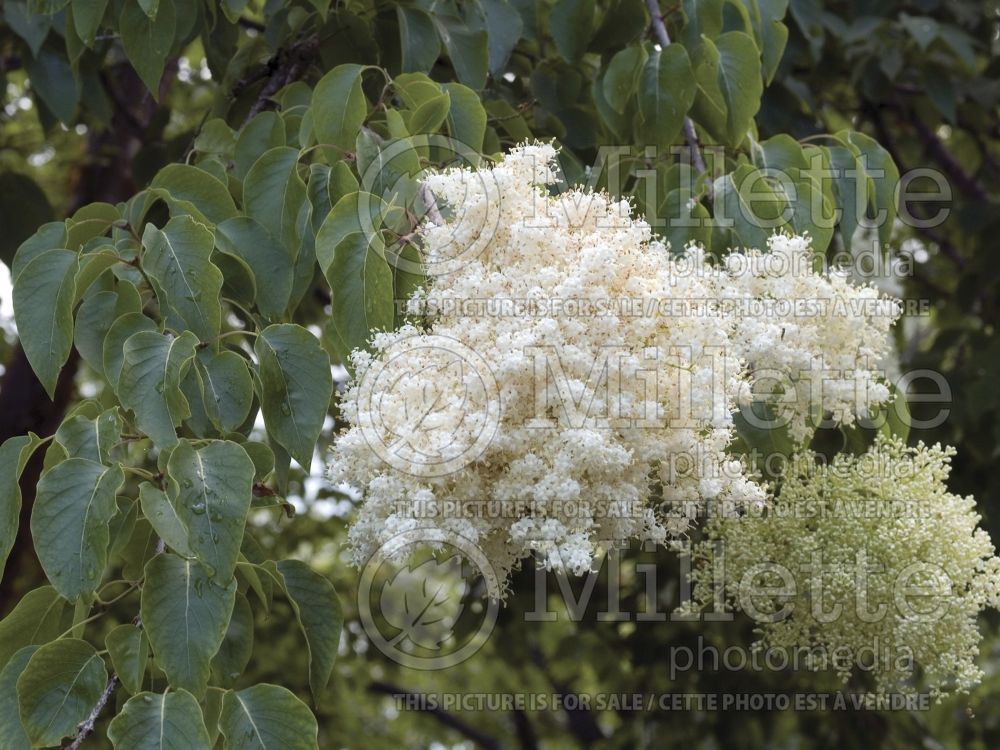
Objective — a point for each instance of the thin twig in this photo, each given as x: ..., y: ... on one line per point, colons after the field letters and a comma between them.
x: 690, y: 135
x: 433, y: 212
x: 86, y: 728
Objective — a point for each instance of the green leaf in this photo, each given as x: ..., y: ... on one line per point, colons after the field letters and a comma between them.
x: 92, y: 265
x: 571, y: 23
x: 52, y: 79
x: 267, y: 717
x: 58, y: 688
x: 11, y: 728
x: 193, y: 191
x: 164, y: 518
x: 147, y: 41
x: 504, y: 27
x: 227, y: 386
x: 210, y: 489
x: 128, y: 648
x: 177, y: 259
x: 264, y: 132
x: 466, y: 118
x: 361, y: 289
x: 344, y: 219
x: 150, y: 382
x: 31, y: 27
x: 185, y: 615
x: 430, y: 115
x: 884, y: 174
x: 274, y: 194
x: 154, y: 721
x: 270, y: 262
x: 319, y: 615
x: 418, y: 39
x: 39, y: 617
x: 14, y: 454
x: 43, y: 310
x: 114, y: 342
x: 339, y: 107
x: 23, y: 207
x: 750, y: 206
x: 87, y: 18
x: 92, y: 439
x: 69, y: 523
x: 95, y: 317
x: 730, y: 87
x: 296, y: 387
x: 237, y: 646
x: 468, y: 49
x: 666, y: 91
x: 621, y: 76
x: 49, y: 236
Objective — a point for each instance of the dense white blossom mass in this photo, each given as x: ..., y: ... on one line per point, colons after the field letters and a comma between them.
x: 567, y: 380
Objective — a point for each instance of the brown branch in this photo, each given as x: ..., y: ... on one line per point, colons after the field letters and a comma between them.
x: 286, y: 66
x: 86, y: 727
x: 453, y: 722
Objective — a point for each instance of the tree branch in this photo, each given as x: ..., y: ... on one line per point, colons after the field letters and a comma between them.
x: 286, y: 66
x: 86, y: 727
x: 660, y: 31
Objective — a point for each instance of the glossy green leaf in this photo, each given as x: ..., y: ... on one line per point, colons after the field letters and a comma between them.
x: 362, y: 290
x: 186, y: 615
x: 730, y: 86
x: 467, y: 47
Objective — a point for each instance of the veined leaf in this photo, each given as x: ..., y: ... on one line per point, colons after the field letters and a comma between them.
x: 156, y: 721
x: 69, y: 523
x: 185, y: 615
x: 267, y: 717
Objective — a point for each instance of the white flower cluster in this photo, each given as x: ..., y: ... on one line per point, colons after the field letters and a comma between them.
x: 867, y: 555
x: 547, y: 433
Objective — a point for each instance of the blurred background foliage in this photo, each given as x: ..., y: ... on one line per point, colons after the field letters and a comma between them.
x: 922, y: 77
